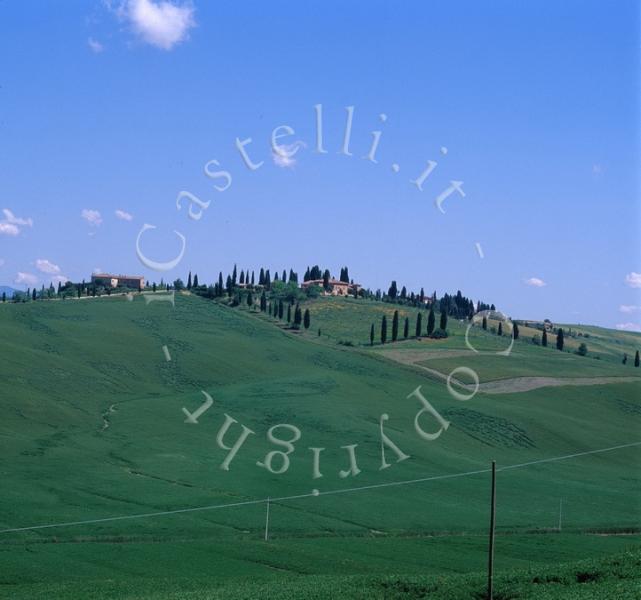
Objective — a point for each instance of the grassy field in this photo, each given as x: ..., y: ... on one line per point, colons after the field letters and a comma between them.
x: 92, y: 427
x: 349, y: 320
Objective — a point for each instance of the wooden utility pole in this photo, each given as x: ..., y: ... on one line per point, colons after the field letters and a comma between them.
x: 267, y: 521
x: 560, y: 512
x: 490, y: 562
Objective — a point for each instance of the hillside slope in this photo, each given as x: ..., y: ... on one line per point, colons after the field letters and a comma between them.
x: 92, y: 427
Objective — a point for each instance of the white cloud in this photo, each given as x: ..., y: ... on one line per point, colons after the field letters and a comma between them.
x: 95, y: 45
x: 11, y: 218
x: 162, y: 24
x: 56, y: 279
x: 8, y: 229
x: 97, y: 271
x: 2, y: 261
x: 93, y: 217
x: 597, y: 169
x: 25, y: 279
x: 123, y: 215
x: 633, y: 279
x: 535, y: 282
x: 45, y: 266
x: 629, y: 327
x: 629, y: 308
x: 281, y: 160
x: 283, y: 154
x: 10, y: 224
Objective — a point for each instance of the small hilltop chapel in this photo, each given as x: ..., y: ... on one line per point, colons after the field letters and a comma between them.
x: 113, y: 281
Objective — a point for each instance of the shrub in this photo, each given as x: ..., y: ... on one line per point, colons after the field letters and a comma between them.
x: 439, y: 334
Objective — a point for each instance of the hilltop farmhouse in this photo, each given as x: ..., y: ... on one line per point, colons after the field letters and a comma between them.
x: 336, y: 287
x: 134, y: 282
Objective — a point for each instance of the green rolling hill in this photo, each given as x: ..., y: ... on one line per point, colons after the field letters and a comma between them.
x: 92, y: 429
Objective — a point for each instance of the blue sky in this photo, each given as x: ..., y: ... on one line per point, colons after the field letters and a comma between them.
x: 118, y: 106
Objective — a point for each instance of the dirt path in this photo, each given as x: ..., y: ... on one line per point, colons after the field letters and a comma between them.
x: 501, y: 386
x: 410, y: 357
x: 525, y: 384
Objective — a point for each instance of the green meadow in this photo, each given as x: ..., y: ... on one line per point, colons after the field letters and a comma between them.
x: 92, y: 429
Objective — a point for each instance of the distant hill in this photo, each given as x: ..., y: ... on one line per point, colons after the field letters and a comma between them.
x: 7, y: 290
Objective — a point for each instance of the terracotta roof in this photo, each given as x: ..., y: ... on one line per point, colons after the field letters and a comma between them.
x: 117, y: 276
x: 331, y: 282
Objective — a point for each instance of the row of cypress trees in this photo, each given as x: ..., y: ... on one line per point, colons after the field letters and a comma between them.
x: 418, y: 329
x: 276, y: 309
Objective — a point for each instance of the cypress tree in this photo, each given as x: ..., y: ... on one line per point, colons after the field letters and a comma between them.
x: 636, y: 359
x: 298, y: 317
x: 384, y: 330
x: 371, y: 334
x: 234, y: 276
x: 252, y: 281
x: 261, y: 277
x: 306, y: 319
x: 625, y: 357
x: 153, y: 287
x: 281, y: 309
x: 419, y: 324
x: 431, y: 321
x: 195, y: 281
x: 263, y: 302
x: 500, y: 331
x: 544, y: 339
x: 406, y: 329
x: 289, y: 313
x: 559, y: 339
x: 443, y: 323
x: 250, y: 299
x: 189, y: 281
x: 484, y: 325
x: 4, y: 296
x: 395, y: 326
x: 220, y: 283
x: 326, y: 276
x: 515, y: 331
x: 34, y: 294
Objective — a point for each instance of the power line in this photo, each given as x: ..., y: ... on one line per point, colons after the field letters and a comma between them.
x: 316, y: 493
